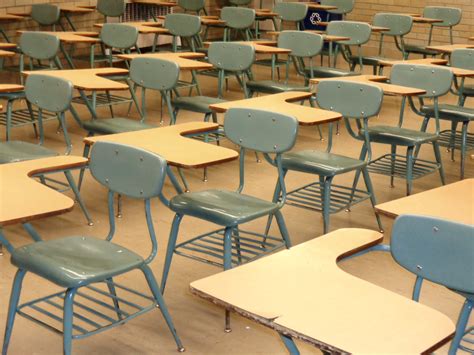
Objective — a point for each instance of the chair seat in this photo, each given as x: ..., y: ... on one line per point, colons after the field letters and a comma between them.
x: 15, y: 95
x: 468, y: 90
x: 75, y: 261
x: 14, y: 151
x: 450, y: 112
x: 412, y: 48
x: 273, y: 87
x: 226, y: 208
x: 399, y: 136
x: 114, y: 125
x: 320, y: 163
x: 196, y: 103
x: 328, y: 72
x: 268, y: 62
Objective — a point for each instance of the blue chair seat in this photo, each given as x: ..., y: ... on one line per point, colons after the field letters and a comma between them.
x: 14, y: 151
x: 226, y: 208
x: 468, y: 90
x: 114, y: 125
x: 75, y: 261
x: 320, y: 163
x: 450, y: 112
x: 399, y: 136
x: 12, y: 95
x: 196, y: 103
x: 412, y: 48
x: 328, y: 72
x: 273, y: 87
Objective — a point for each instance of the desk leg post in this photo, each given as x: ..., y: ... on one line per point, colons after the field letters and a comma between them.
x: 88, y: 104
x: 74, y: 188
x: 32, y: 232
x: 290, y: 345
x: 5, y: 242
x: 69, y: 21
x: 173, y: 180
x: 67, y: 56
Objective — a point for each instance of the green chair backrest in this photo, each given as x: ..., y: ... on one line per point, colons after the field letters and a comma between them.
x: 398, y: 24
x: 229, y: 56
x: 463, y: 58
x: 239, y: 2
x: 351, y: 99
x: 154, y: 73
x: 435, y: 79
x: 192, y: 5
x: 238, y: 17
x: 291, y: 11
x: 127, y: 170
x: 302, y: 44
x: 183, y: 25
x: 111, y: 8
x: 119, y: 35
x: 437, y: 250
x: 343, y: 6
x: 244, y: 127
x: 358, y: 32
x: 48, y: 92
x: 451, y: 16
x: 39, y: 45
x: 45, y: 14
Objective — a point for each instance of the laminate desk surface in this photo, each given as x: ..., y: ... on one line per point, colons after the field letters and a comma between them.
x: 143, y: 27
x: 471, y: 38
x: 303, y: 293
x: 450, y: 47
x: 460, y: 73
x: 69, y: 8
x: 88, y: 79
x: 72, y: 36
x: 316, y: 6
x: 287, y: 103
x: 8, y: 45
x: 212, y: 21
x: 326, y: 37
x: 4, y: 53
x: 11, y: 87
x: 25, y: 199
x: 170, y: 143
x: 10, y: 17
x: 454, y: 202
x: 377, y: 80
x: 421, y: 19
x: 155, y: 3
x: 185, y: 60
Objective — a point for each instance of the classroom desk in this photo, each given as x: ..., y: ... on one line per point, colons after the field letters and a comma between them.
x: 25, y: 199
x: 4, y: 54
x: 11, y: 87
x: 303, y: 294
x: 471, y: 38
x: 283, y: 103
x: 421, y: 19
x: 454, y: 202
x: 448, y: 49
x: 9, y: 18
x: 315, y: 6
x: 8, y: 45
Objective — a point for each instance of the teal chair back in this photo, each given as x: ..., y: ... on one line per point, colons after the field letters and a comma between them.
x: 238, y: 17
x: 398, y: 24
x: 39, y: 45
x: 119, y: 36
x: 45, y: 14
x: 111, y: 8
x: 228, y: 56
x: 343, y: 6
x: 302, y: 44
x: 192, y: 5
x: 239, y: 2
x: 154, y: 73
x: 128, y: 171
x: 451, y: 16
x: 183, y: 25
x: 437, y: 250
x: 358, y: 32
x: 463, y: 58
x: 48, y: 92
x: 291, y: 11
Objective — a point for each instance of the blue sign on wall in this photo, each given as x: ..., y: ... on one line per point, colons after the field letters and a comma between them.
x: 316, y: 16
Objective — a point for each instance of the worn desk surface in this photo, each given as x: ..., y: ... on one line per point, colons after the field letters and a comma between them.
x: 454, y: 202
x: 185, y: 60
x: 10, y: 87
x: 287, y: 103
x: 431, y: 61
x: 170, y: 143
x: 25, y: 199
x: 4, y: 53
x: 450, y: 47
x: 143, y: 27
x: 88, y: 79
x: 73, y: 37
x: 303, y: 293
x: 377, y: 80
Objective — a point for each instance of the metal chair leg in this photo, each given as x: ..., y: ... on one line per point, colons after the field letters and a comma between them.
x: 283, y: 230
x: 463, y: 147
x: 113, y: 292
x: 393, y: 152
x: 409, y: 172
x: 325, y: 183
x: 440, y: 162
x: 370, y: 189
x: 461, y: 326
x: 227, y: 266
x: 289, y: 344
x: 67, y: 320
x: 170, y: 249
x: 77, y: 194
x: 417, y: 288
x: 85, y: 154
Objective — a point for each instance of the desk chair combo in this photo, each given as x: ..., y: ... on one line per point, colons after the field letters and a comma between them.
x: 238, y: 20
x: 230, y: 246
x: 291, y: 12
x: 86, y: 266
x: 439, y: 251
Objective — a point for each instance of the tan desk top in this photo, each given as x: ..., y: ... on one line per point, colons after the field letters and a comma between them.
x: 377, y: 80
x: 261, y: 46
x: 170, y: 143
x: 183, y: 59
x: 421, y: 19
x: 4, y: 53
x: 265, y: 13
x: 450, y: 48
x: 430, y: 61
x: 88, y: 79
x: 73, y: 37
x: 212, y: 21
x: 76, y: 9
x: 302, y: 292
x: 373, y: 28
x: 326, y: 38
x: 316, y: 6
x: 155, y: 2
x: 10, y: 87
x: 282, y: 103
x: 7, y: 45
x: 454, y: 202
x: 471, y: 38
x: 10, y: 17
x: 143, y: 27
x: 25, y: 199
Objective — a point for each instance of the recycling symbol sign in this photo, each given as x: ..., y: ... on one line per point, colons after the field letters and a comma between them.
x: 315, y: 18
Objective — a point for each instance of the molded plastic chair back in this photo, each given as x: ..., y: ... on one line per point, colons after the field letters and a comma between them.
x: 48, y: 92
x: 399, y: 25
x: 238, y: 17
x: 358, y: 32
x: 231, y: 56
x: 127, y: 170
x: 240, y: 2
x: 302, y: 44
x: 451, y: 16
x: 154, y: 73
x: 111, y: 8
x: 436, y: 80
x: 435, y: 249
x: 119, y: 35
x: 191, y: 5
x: 245, y: 127
x: 463, y: 58
x: 351, y: 99
x: 291, y: 11
x: 184, y: 25
x: 39, y: 45
x: 343, y: 6
x: 45, y: 14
